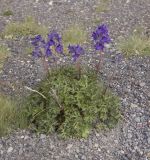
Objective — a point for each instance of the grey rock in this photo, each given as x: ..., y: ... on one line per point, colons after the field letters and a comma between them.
x: 149, y: 140
x: 137, y: 119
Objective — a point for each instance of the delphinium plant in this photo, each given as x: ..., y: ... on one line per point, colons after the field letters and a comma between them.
x: 70, y: 98
x: 100, y: 38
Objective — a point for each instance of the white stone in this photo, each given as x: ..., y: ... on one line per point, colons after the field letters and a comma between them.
x: 133, y: 105
x: 10, y: 149
x: 96, y: 145
x: 69, y: 146
x: 50, y: 3
x: 142, y: 84
x: 43, y: 136
x: 26, y: 137
x: 22, y: 137
x: 107, y: 45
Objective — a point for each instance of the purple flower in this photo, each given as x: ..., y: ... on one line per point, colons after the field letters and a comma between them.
x: 54, y: 39
x: 105, y: 39
x: 50, y: 43
x: 101, y: 37
x: 102, y: 29
x: 76, y: 51
x: 95, y: 36
x: 40, y: 45
x: 99, y: 46
x: 59, y: 48
x: 48, y: 52
x: 35, y: 41
x: 54, y: 36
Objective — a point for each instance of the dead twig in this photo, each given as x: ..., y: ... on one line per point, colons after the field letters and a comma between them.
x: 30, y: 89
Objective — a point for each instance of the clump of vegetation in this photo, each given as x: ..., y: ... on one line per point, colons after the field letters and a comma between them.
x: 75, y: 34
x: 28, y: 27
x: 8, y: 13
x: 136, y: 44
x: 102, y: 6
x: 72, y: 99
x: 71, y: 104
x: 4, y: 53
x: 97, y: 20
x: 11, y: 117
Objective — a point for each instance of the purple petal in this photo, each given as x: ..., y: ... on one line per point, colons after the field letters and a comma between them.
x: 54, y: 36
x: 79, y: 50
x: 59, y: 48
x: 51, y: 43
x: 71, y: 49
x: 105, y: 39
x: 103, y: 29
x: 98, y: 46
x: 94, y: 36
x: 35, y: 41
x: 48, y: 52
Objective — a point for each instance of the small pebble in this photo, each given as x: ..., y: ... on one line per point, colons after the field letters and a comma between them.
x: 137, y: 120
x: 22, y: 137
x: 96, y: 145
x: 42, y: 136
x: 142, y: 84
x: 50, y: 3
x: 10, y: 149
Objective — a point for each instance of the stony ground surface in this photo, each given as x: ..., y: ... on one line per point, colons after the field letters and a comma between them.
x: 130, y: 140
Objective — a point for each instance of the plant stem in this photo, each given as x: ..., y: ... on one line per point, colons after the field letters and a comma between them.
x: 100, y: 62
x: 45, y: 64
x: 109, y: 80
x: 78, y: 66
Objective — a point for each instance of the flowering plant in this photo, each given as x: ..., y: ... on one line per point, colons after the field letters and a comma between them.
x: 52, y: 48
x: 65, y: 101
x: 100, y: 37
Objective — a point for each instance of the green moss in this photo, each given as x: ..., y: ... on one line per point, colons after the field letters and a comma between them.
x: 136, y: 44
x: 74, y: 34
x: 71, y: 104
x: 10, y: 116
x: 7, y: 13
x: 4, y: 53
x: 26, y: 28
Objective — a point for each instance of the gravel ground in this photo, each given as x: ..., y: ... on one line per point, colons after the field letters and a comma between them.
x: 130, y: 140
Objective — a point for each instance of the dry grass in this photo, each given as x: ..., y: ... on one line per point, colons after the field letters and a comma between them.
x: 135, y: 44
x: 4, y: 53
x: 10, y: 116
x: 7, y: 13
x: 74, y: 34
x: 28, y: 27
x: 102, y: 6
